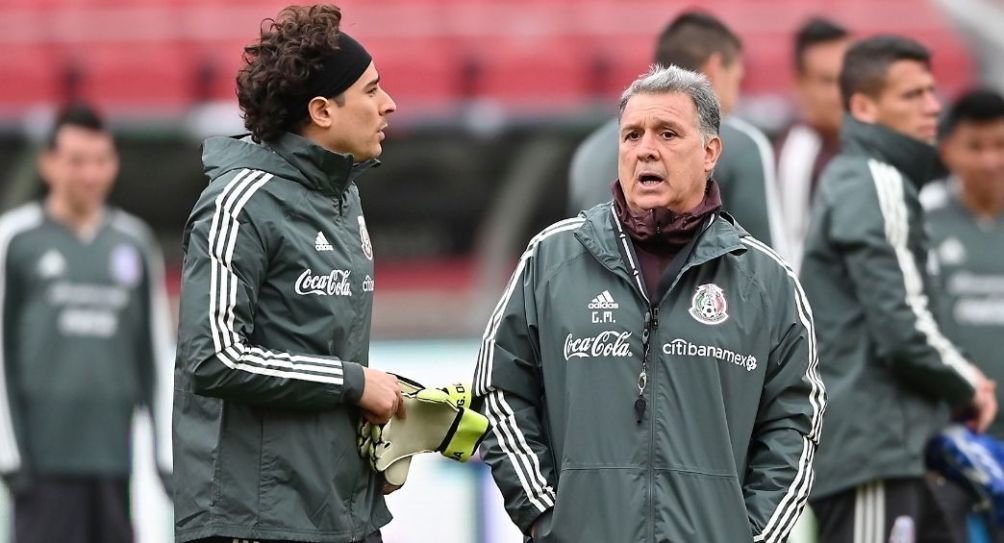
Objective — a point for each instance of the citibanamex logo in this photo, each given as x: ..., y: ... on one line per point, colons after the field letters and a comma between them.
x: 682, y: 347
x: 605, y: 344
x: 335, y: 283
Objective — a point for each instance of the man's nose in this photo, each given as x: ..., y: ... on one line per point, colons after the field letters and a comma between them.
x: 932, y: 104
x: 647, y: 150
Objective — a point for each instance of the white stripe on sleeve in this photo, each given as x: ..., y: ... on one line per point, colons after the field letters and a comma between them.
x: 791, y: 505
x: 231, y: 350
x: 889, y: 186
x: 511, y: 439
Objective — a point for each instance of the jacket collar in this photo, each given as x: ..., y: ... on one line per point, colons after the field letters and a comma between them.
x: 320, y: 169
x: 662, y: 229
x: 291, y: 156
x: 601, y: 236
x: 916, y: 159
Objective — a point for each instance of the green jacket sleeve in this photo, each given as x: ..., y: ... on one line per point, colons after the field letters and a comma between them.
x: 746, y: 176
x: 12, y: 461
x: 789, y: 418
x: 508, y: 388
x: 872, y: 226
x: 226, y: 262
x: 593, y: 168
x: 155, y: 350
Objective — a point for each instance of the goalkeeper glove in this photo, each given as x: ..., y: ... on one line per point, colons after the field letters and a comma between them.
x: 438, y: 420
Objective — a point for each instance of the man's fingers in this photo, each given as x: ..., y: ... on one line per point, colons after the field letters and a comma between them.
x: 374, y: 418
x: 986, y: 412
x: 400, y: 406
x: 991, y: 413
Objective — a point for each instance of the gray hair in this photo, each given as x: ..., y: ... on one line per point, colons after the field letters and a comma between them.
x: 672, y: 79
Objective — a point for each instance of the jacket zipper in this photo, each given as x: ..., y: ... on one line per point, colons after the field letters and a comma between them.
x: 651, y: 324
x: 640, y: 405
x: 360, y: 481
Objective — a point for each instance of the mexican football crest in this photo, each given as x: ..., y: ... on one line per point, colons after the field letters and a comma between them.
x: 708, y: 304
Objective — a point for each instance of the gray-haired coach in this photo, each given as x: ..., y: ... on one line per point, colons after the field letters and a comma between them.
x: 650, y: 370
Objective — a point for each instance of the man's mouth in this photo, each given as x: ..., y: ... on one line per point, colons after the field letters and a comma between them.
x: 648, y: 179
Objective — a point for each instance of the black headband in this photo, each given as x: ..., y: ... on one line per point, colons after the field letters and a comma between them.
x: 341, y: 69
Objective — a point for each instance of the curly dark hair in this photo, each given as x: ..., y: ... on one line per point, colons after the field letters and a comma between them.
x: 272, y: 88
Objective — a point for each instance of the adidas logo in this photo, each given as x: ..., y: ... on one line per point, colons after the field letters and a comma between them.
x: 321, y: 243
x: 603, y: 300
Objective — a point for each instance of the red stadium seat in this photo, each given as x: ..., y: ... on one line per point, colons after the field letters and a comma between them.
x: 170, y: 53
x: 30, y: 75
x: 138, y: 75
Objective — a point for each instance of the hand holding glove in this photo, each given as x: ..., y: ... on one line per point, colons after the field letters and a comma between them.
x: 438, y: 420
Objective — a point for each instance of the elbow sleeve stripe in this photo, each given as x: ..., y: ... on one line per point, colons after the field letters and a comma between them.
x: 524, y: 462
x: 223, y: 295
x: 818, y: 395
x: 889, y: 186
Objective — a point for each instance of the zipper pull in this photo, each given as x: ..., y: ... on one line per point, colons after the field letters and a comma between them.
x: 640, y: 404
x: 639, y: 409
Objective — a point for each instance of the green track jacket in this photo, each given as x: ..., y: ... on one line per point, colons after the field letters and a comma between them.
x: 85, y: 340
x: 969, y: 250
x: 889, y: 371
x: 734, y: 406
x: 276, y: 302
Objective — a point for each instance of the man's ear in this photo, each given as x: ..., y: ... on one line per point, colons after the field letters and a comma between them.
x: 864, y: 108
x: 319, y: 109
x: 712, y: 152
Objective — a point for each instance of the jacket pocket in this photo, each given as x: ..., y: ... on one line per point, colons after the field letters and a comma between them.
x: 306, y: 478
x: 692, y: 506
x: 597, y: 506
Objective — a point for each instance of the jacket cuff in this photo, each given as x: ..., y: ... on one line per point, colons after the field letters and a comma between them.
x: 541, y: 522
x: 353, y: 382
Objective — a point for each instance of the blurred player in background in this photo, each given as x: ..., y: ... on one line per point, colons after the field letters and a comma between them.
x: 699, y: 42
x: 277, y: 299
x: 965, y: 216
x: 965, y: 213
x: 85, y: 332
x: 890, y: 372
x: 809, y: 144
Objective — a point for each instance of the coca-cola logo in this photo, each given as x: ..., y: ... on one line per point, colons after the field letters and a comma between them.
x: 335, y: 283
x: 605, y: 344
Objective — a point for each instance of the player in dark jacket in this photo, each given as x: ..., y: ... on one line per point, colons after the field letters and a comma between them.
x: 276, y: 301
x: 891, y: 373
